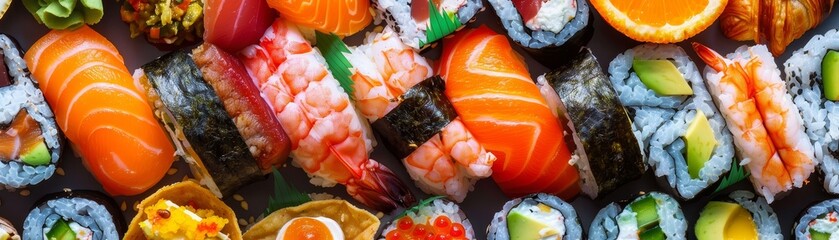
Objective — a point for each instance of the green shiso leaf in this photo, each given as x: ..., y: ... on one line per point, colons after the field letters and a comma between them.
x: 285, y: 195
x: 419, y: 205
x: 440, y: 24
x: 737, y: 174
x: 65, y: 14
x: 333, y: 50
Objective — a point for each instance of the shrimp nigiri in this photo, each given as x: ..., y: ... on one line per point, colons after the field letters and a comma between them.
x: 766, y: 125
x: 329, y: 140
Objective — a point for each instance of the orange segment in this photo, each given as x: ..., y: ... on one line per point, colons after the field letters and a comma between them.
x: 660, y: 21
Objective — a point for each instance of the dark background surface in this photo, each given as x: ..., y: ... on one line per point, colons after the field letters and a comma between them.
x: 479, y: 205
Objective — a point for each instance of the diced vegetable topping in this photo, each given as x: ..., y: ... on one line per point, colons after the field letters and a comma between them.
x: 700, y: 143
x: 440, y: 227
x: 830, y: 75
x: 165, y: 21
x: 167, y: 220
x: 662, y: 77
x: 23, y: 140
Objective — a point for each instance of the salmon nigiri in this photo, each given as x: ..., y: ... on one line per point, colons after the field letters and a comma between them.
x: 100, y: 110
x: 341, y: 17
x: 491, y: 90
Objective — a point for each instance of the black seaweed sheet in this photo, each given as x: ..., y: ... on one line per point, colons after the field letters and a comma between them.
x: 95, y: 196
x: 424, y: 112
x: 600, y: 121
x: 206, y: 124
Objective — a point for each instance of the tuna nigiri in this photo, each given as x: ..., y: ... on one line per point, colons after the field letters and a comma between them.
x: 235, y: 24
x: 491, y: 90
x: 341, y: 17
x: 100, y: 110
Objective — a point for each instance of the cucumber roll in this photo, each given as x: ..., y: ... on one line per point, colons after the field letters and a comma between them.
x: 813, y: 80
x: 7, y: 231
x: 215, y: 116
x: 74, y: 215
x: 547, y: 28
x: 819, y: 222
x: 434, y: 218
x: 422, y: 22
x: 30, y: 143
x: 742, y: 215
x: 538, y: 216
x: 651, y: 216
x: 607, y: 154
x: 674, y: 118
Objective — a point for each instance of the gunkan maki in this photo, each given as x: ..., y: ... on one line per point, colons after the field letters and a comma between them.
x: 651, y: 216
x: 74, y: 215
x: 538, y: 216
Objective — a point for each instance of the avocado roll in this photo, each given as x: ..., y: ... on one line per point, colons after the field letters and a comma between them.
x: 674, y: 118
x: 813, y: 81
x: 538, y: 216
x: 215, y: 116
x: 30, y: 143
x: 651, y: 216
x: 436, y: 217
x: 422, y: 22
x: 74, y: 215
x: 742, y: 215
x: 818, y: 222
x: 547, y: 29
x: 7, y: 231
x: 606, y: 152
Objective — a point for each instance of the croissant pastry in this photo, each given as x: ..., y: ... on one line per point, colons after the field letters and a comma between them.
x: 773, y: 22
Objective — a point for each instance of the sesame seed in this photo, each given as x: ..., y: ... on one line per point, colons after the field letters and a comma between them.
x: 25, y: 192
x: 243, y: 222
x: 172, y: 171
x: 245, y: 205
x: 238, y: 197
x: 123, y: 206
x: 59, y: 171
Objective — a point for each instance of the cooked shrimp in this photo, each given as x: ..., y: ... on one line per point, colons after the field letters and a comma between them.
x: 329, y: 141
x: 766, y: 126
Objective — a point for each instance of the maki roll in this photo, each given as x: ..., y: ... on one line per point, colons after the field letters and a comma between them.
x: 819, y: 222
x: 215, y: 116
x: 606, y: 152
x: 538, y: 216
x: 30, y: 143
x: 74, y: 215
x: 433, y: 218
x: 741, y: 216
x: 651, y: 216
x: 183, y: 210
x: 813, y: 80
x: 7, y: 231
x: 767, y: 127
x: 674, y: 118
x: 165, y: 24
x: 547, y: 29
x: 422, y: 22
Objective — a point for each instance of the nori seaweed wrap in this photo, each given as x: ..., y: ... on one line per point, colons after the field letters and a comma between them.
x: 200, y: 127
x: 818, y: 221
x: 607, y: 153
x: 75, y: 214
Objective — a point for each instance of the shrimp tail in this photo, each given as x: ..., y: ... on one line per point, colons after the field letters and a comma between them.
x: 379, y: 188
x: 709, y: 56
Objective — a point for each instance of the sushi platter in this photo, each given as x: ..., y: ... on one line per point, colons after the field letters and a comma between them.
x: 421, y: 119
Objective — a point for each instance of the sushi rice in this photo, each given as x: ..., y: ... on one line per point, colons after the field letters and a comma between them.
x: 661, y: 121
x: 764, y: 217
x: 821, y: 116
x: 23, y: 94
x: 562, y: 216
x: 438, y: 207
x: 82, y: 213
x: 613, y: 223
x: 814, y: 218
x: 397, y: 13
x: 512, y: 21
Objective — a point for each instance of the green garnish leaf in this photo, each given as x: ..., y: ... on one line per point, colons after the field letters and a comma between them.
x: 737, y: 174
x: 440, y: 24
x: 419, y: 205
x: 333, y: 50
x: 65, y: 14
x: 285, y: 195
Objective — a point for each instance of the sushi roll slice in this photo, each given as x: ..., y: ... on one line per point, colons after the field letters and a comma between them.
x: 547, y: 29
x: 422, y: 22
x: 741, y: 216
x: 183, y: 210
x: 164, y: 24
x: 818, y: 222
x: 538, y: 216
x: 651, y: 216
x: 766, y: 126
x: 215, y: 116
x: 436, y: 218
x: 606, y: 152
x: 813, y: 80
x: 74, y: 215
x: 674, y: 118
x: 7, y: 231
x: 30, y: 143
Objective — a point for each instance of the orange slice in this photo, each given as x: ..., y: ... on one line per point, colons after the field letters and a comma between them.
x: 660, y: 21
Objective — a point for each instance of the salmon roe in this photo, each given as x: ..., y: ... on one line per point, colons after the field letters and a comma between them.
x: 439, y: 228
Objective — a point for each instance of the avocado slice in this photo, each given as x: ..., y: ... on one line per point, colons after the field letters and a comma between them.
x: 724, y: 220
x: 816, y: 235
x: 37, y: 155
x: 646, y: 213
x: 522, y: 226
x: 830, y: 75
x: 700, y: 143
x: 653, y: 234
x: 662, y: 77
x: 61, y: 231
